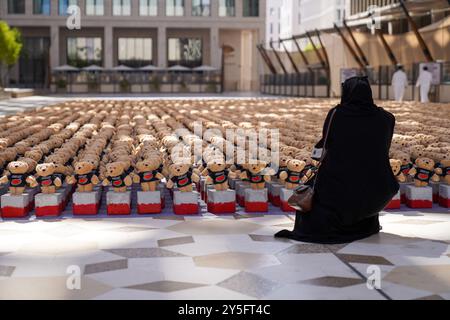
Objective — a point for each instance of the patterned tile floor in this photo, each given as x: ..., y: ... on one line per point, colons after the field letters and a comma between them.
x: 220, y: 257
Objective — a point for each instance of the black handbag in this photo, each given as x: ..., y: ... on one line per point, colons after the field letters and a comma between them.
x: 302, y: 199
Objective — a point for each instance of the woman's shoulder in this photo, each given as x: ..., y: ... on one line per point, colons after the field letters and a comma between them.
x: 386, y: 114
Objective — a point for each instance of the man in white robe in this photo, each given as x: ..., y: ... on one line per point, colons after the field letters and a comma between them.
x: 399, y: 83
x: 424, y: 83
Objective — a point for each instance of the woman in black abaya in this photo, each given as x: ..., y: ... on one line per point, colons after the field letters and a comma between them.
x: 355, y: 181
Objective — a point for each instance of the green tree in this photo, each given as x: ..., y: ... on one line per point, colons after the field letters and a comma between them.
x: 10, y: 48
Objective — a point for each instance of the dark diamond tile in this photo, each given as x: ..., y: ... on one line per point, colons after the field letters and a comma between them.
x: 249, y: 284
x: 166, y: 286
x: 144, y: 253
x: 131, y: 229
x: 336, y: 247
x: 264, y: 238
x: 432, y: 297
x: 6, y: 271
x: 106, y: 266
x: 305, y: 248
x: 175, y: 218
x: 175, y: 241
x: 374, y: 260
x: 247, y: 216
x: 335, y: 282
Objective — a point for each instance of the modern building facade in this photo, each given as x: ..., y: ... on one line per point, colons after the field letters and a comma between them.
x: 137, y: 33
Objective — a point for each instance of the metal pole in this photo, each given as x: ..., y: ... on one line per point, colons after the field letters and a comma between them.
x: 322, y: 61
x: 302, y: 54
x: 358, y: 48
x: 290, y: 57
x: 328, y: 70
x: 413, y: 24
x: 278, y: 58
x: 266, y: 58
x: 352, y: 51
x: 388, y: 49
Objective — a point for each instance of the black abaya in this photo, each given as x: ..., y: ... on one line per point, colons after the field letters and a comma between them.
x: 355, y: 181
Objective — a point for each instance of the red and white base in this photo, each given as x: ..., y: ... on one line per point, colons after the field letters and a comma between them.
x: 395, y: 203
x: 86, y: 203
x: 118, y: 203
x: 162, y: 189
x: 232, y: 183
x: 285, y: 194
x: 256, y: 200
x: 275, y: 193
x: 185, y: 203
x: 403, y: 187
x: 149, y: 202
x: 50, y: 205
x: 18, y: 206
x: 222, y: 202
x: 435, y: 187
x: 419, y: 198
x: 241, y: 186
x: 444, y: 195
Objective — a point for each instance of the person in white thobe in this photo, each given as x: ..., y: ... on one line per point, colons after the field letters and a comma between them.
x: 424, y: 82
x: 399, y: 83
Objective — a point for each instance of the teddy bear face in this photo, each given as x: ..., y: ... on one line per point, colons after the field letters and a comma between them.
x: 395, y: 165
x: 296, y: 165
x: 115, y: 169
x: 178, y: 169
x: 425, y: 163
x: 257, y: 167
x: 284, y: 160
x: 18, y: 167
x: 45, y: 169
x: 83, y: 167
x: 217, y: 165
x: 147, y: 165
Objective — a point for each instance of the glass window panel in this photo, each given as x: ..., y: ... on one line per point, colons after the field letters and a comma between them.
x: 185, y: 51
x: 82, y: 52
x: 201, y: 8
x: 135, y: 52
x: 148, y: 7
x: 227, y: 8
x: 251, y: 8
x: 175, y: 8
x: 16, y: 6
x: 63, y: 5
x: 95, y: 7
x: 41, y: 7
x: 121, y: 7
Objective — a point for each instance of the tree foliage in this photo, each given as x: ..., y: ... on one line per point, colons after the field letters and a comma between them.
x: 10, y: 48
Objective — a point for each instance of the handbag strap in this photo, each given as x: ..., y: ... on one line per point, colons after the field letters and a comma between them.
x: 324, y: 147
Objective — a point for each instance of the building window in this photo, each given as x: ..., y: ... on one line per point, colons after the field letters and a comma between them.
x: 227, y: 8
x: 175, y: 8
x: 41, y: 7
x: 16, y: 6
x: 135, y: 52
x: 251, y: 8
x: 121, y: 7
x: 148, y: 7
x: 82, y: 52
x: 95, y: 7
x: 201, y: 8
x: 63, y: 5
x: 185, y: 51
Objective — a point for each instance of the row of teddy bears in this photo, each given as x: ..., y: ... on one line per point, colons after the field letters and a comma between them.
x: 121, y: 143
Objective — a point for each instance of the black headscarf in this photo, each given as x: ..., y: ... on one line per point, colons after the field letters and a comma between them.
x: 357, y: 96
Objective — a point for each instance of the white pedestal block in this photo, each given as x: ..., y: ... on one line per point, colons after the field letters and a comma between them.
x: 435, y: 187
x: 444, y: 195
x: 241, y: 186
x: 49, y: 205
x: 395, y: 202
x: 18, y: 206
x: 274, y: 194
x: 118, y: 203
x: 419, y: 198
x: 232, y: 183
x: 149, y: 202
x: 185, y: 203
x: 403, y: 187
x: 285, y: 194
x: 256, y: 200
x: 86, y: 203
x: 221, y: 202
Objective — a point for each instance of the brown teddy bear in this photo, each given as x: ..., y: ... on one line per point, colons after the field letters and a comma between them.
x: 118, y: 177
x: 148, y: 174
x: 19, y: 177
x: 396, y: 166
x: 444, y: 169
x: 292, y: 177
x: 217, y: 174
x: 255, y: 175
x: 423, y: 172
x: 85, y: 177
x: 182, y: 177
x: 46, y: 178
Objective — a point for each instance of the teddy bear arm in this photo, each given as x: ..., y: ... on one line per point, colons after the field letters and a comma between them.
x: 195, y: 178
x: 136, y: 178
x: 435, y: 178
x: 204, y: 173
x: 243, y: 175
x: 170, y: 184
x: 128, y: 181
x: 267, y: 178
x: 438, y: 170
x: 70, y: 180
x: 31, y: 180
x: 159, y: 176
x: 95, y: 179
x: 105, y: 182
x: 412, y: 172
x: 4, y: 179
x: 58, y: 182
x: 283, y: 176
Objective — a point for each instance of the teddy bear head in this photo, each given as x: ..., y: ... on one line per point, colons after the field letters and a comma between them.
x: 217, y: 165
x: 115, y: 169
x: 295, y: 165
x: 45, y: 169
x: 257, y: 167
x: 178, y: 169
x: 395, y: 165
x: 284, y: 160
x: 62, y: 169
x: 18, y: 167
x: 83, y: 167
x: 147, y: 165
x: 425, y: 163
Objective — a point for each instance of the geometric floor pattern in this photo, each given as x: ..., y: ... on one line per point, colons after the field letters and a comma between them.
x: 230, y: 257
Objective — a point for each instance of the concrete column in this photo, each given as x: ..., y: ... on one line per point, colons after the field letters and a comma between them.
x: 108, y: 53
x: 161, y: 8
x: 54, y: 46
x: 28, y: 8
x: 239, y: 9
x: 54, y: 8
x: 214, y: 9
x: 162, y: 47
x: 215, y: 47
x: 187, y: 8
x: 108, y: 8
x: 135, y: 8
